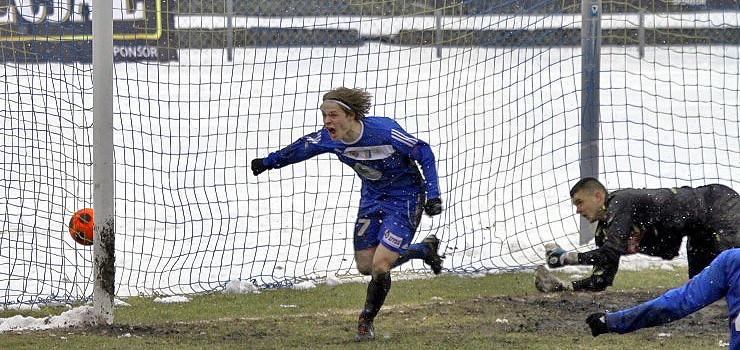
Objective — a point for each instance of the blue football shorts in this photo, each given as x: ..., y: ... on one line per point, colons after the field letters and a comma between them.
x: 392, y: 224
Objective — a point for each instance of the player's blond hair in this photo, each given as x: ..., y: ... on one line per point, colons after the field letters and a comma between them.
x: 357, y: 100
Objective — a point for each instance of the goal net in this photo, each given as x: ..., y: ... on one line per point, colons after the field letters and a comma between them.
x: 201, y: 88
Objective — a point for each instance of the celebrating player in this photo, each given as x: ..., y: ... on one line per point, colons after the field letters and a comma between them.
x: 720, y: 279
x: 394, y: 192
x: 647, y: 221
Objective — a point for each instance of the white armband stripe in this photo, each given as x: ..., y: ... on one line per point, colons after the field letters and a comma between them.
x: 400, y: 137
x: 315, y: 140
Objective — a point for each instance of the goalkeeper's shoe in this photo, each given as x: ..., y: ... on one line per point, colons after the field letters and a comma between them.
x: 433, y: 259
x: 365, y: 330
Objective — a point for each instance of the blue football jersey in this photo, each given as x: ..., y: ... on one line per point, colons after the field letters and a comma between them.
x: 385, y: 157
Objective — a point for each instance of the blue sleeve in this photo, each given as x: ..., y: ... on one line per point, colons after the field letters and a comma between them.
x: 705, y: 288
x: 300, y: 150
x: 421, y: 153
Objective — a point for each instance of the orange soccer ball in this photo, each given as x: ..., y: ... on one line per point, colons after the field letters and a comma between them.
x: 81, y: 226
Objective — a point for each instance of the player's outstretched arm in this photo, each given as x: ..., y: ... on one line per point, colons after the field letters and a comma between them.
x: 298, y: 151
x: 705, y: 288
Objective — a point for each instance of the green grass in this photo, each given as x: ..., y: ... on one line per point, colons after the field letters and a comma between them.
x: 501, y: 311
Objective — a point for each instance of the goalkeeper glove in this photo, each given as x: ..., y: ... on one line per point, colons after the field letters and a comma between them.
x: 257, y: 166
x: 597, y: 323
x: 557, y: 257
x: 433, y: 206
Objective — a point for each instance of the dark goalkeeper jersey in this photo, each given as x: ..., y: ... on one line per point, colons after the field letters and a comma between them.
x: 654, y: 222
x: 385, y: 158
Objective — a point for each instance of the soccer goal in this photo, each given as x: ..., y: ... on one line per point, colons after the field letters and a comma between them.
x: 201, y: 88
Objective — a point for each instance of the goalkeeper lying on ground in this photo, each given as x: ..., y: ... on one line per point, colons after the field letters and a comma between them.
x: 647, y: 221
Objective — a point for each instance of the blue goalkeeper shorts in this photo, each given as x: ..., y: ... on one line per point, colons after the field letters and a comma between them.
x: 392, y: 223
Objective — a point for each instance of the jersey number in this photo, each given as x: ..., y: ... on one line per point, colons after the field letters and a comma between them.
x: 737, y: 323
x: 365, y: 224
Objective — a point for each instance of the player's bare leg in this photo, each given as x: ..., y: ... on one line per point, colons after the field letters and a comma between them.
x: 364, y: 260
x: 377, y: 289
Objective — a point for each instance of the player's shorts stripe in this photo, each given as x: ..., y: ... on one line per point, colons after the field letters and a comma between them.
x: 400, y: 137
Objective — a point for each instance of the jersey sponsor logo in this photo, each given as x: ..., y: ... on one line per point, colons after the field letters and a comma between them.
x: 367, y: 172
x: 392, y: 240
x: 369, y: 153
x: 403, y: 138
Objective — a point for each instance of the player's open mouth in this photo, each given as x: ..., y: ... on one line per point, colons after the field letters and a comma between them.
x: 332, y: 132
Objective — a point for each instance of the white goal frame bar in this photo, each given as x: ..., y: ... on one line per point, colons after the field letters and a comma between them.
x: 103, y: 165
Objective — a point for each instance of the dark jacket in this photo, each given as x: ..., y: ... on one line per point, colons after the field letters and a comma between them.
x: 654, y: 222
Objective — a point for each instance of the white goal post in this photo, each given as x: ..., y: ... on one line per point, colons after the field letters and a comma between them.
x: 103, y: 162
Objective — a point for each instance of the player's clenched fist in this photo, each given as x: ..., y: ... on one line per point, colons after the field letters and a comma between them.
x: 257, y: 166
x: 597, y: 323
x: 433, y: 206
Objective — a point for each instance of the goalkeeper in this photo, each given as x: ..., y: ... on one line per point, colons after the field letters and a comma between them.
x: 394, y: 191
x: 720, y: 279
x: 648, y: 221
